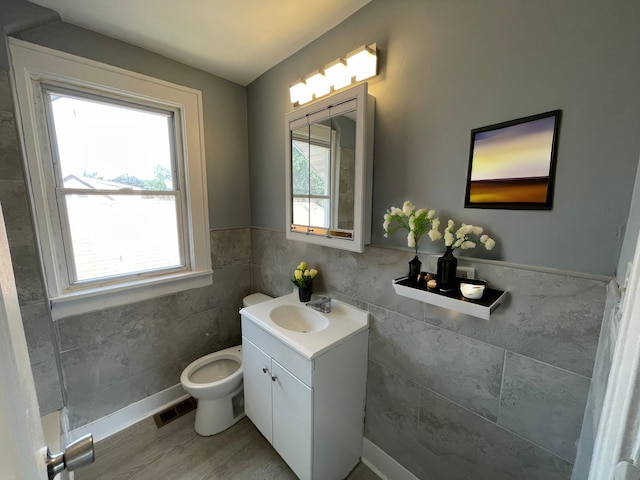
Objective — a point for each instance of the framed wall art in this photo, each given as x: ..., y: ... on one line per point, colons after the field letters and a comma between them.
x: 512, y: 164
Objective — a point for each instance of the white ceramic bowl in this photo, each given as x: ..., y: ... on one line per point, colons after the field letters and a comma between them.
x: 471, y: 290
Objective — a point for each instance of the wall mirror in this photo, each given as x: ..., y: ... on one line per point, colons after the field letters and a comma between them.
x: 329, y: 153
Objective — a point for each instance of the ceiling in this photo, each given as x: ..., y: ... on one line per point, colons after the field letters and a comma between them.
x: 235, y: 39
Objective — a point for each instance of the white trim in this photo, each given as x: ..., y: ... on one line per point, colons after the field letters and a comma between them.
x: 51, y: 427
x: 131, y: 414
x: 382, y: 463
x: 83, y: 301
x: 619, y: 411
x: 33, y: 64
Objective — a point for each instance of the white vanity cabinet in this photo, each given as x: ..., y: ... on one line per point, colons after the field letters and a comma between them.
x: 280, y: 405
x: 310, y: 409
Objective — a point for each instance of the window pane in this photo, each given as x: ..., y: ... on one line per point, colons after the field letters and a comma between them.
x: 319, y: 178
x: 301, y: 211
x: 319, y: 212
x: 123, y: 234
x: 300, y: 167
x: 111, y: 146
x: 314, y: 180
x: 311, y: 211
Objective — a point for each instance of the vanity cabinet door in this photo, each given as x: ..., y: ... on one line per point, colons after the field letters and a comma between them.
x: 257, y: 388
x: 292, y: 420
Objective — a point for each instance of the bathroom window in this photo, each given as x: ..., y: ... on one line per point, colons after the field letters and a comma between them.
x: 116, y: 186
x: 116, y: 168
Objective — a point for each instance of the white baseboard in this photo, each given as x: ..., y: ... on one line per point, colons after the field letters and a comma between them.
x: 382, y: 464
x: 131, y: 414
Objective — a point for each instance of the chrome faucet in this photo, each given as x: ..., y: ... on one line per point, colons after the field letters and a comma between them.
x: 322, y: 304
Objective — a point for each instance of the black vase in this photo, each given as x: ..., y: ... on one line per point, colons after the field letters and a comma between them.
x: 304, y: 294
x: 446, y: 274
x: 415, y: 267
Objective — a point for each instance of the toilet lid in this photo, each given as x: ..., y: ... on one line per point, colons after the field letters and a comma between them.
x: 214, y: 371
x: 255, y: 298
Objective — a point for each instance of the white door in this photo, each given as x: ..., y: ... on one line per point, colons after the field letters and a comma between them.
x: 22, y: 448
x: 618, y: 433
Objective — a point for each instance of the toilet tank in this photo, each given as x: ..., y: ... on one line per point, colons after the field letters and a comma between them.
x: 255, y: 298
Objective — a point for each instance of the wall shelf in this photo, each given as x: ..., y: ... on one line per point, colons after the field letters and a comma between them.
x: 452, y: 300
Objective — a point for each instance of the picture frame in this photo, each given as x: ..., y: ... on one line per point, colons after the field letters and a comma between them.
x: 512, y: 164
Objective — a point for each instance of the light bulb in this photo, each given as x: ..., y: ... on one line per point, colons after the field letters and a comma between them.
x: 337, y: 74
x: 362, y: 63
x: 317, y: 83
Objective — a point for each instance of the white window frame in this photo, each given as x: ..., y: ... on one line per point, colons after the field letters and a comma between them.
x: 33, y: 66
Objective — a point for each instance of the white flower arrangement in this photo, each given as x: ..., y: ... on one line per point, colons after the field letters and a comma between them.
x: 461, y: 238
x: 417, y: 222
x: 303, y: 276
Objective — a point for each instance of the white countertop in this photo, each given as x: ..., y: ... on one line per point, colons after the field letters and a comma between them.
x: 344, y: 322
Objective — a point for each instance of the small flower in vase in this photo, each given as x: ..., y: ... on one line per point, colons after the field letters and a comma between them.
x: 461, y: 238
x: 465, y: 237
x: 303, y: 278
x: 417, y: 223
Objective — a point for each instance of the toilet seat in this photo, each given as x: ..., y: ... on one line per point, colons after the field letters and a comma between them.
x: 214, y: 371
x: 218, y: 374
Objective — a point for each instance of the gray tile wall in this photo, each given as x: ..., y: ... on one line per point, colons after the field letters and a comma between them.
x: 448, y: 395
x: 111, y: 358
x: 39, y: 329
x: 598, y: 389
x: 117, y: 356
x: 454, y: 397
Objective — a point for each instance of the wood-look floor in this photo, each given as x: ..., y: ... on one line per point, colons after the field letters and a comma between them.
x: 176, y: 452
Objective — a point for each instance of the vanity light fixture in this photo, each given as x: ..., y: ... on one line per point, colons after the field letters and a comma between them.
x: 318, y: 84
x: 358, y: 65
x: 337, y: 74
x: 299, y: 92
x: 362, y: 62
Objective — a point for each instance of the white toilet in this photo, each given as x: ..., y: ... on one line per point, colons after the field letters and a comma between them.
x: 216, y: 381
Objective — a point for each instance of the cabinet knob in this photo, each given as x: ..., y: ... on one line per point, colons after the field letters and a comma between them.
x: 273, y: 378
x: 264, y: 370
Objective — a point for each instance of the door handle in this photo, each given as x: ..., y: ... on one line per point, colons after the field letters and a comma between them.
x: 76, y: 455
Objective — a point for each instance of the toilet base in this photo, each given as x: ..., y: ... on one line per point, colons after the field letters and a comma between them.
x: 215, y: 416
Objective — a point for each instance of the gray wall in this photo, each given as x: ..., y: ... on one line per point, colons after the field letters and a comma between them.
x: 452, y: 397
x: 112, y: 358
x: 36, y: 317
x: 19, y: 15
x: 598, y: 388
x: 448, y: 396
x: 224, y: 103
x: 115, y: 357
x: 631, y: 233
x: 448, y: 67
x: 26, y: 264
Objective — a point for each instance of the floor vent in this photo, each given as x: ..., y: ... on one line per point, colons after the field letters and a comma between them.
x: 175, y: 411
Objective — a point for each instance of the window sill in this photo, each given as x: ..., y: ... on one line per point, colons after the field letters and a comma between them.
x: 90, y: 300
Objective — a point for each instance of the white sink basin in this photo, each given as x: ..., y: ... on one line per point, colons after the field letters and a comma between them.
x: 298, y: 318
x: 305, y: 330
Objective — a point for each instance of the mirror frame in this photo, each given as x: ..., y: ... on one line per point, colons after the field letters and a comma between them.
x: 363, y: 185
